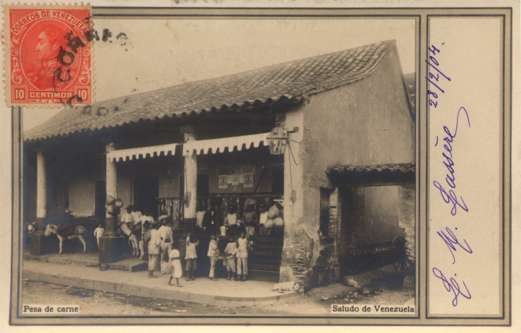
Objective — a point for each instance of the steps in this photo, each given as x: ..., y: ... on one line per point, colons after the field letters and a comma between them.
x: 264, y: 261
x: 129, y: 264
x: 88, y: 259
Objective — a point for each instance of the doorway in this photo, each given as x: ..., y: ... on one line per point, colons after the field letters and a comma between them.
x: 369, y: 224
x: 100, y: 200
x: 146, y: 191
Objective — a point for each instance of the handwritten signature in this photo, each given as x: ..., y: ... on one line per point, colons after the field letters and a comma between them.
x: 448, y: 194
x: 453, y: 286
x: 453, y: 243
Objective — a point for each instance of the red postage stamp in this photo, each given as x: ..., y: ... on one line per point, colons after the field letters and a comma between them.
x: 50, y: 55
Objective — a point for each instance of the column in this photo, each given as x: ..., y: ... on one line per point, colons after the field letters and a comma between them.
x: 297, y: 243
x: 111, y: 177
x: 110, y: 188
x: 190, y: 179
x: 41, y: 186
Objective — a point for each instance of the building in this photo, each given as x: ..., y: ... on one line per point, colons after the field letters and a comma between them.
x: 331, y: 137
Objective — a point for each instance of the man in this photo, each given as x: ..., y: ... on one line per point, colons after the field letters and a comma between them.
x: 166, y: 236
x: 139, y: 230
x: 126, y: 226
x: 153, y: 251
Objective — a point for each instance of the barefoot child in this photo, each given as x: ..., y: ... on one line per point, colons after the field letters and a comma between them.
x: 175, y: 262
x: 230, y: 252
x: 191, y: 257
x: 242, y: 257
x: 213, y: 254
x: 98, y: 233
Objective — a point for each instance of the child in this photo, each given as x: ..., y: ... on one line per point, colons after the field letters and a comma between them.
x: 191, y: 257
x: 222, y: 231
x: 242, y: 257
x: 175, y: 262
x: 230, y: 252
x: 98, y: 233
x: 213, y: 254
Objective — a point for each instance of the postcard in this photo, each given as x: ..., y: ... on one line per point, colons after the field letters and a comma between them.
x: 278, y: 164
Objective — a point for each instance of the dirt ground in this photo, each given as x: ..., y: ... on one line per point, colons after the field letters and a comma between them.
x: 315, y: 302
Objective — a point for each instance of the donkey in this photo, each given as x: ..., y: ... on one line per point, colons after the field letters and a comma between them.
x: 64, y: 232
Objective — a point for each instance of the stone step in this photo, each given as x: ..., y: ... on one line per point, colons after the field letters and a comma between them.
x: 263, y: 275
x: 129, y: 264
x: 81, y: 259
x: 264, y: 267
x: 273, y: 253
x: 265, y: 259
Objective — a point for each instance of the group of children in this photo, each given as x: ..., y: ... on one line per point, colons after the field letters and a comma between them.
x: 228, y: 246
x: 234, y: 259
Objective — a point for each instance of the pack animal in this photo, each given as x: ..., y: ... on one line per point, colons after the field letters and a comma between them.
x: 67, y: 232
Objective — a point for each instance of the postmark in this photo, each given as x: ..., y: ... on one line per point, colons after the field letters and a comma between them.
x: 50, y: 55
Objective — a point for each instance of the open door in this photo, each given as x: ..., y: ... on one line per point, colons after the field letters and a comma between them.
x: 100, y: 200
x: 146, y: 191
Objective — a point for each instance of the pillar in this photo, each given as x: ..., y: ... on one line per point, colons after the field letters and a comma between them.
x: 113, y: 247
x: 190, y: 179
x: 298, y: 244
x: 111, y: 181
x: 111, y: 176
x: 41, y: 186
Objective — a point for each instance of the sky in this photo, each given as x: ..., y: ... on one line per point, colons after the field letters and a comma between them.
x: 161, y: 52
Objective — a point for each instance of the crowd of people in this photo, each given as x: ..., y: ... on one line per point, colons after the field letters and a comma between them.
x: 229, y: 240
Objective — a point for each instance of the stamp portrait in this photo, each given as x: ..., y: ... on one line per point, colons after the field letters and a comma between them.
x: 50, y: 55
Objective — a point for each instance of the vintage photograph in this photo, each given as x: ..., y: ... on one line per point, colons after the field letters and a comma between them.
x: 232, y: 166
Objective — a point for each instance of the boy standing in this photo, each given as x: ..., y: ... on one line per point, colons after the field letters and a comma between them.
x: 98, y: 233
x: 175, y: 262
x: 191, y: 257
x: 213, y: 254
x: 242, y: 257
x: 230, y: 253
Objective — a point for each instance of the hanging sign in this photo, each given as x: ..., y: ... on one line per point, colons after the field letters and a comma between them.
x: 239, y: 176
x: 278, y: 140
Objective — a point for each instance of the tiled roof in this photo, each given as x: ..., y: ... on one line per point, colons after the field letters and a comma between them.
x: 373, y: 172
x: 289, y: 80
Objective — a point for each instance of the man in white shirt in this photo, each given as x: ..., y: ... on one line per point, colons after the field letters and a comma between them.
x: 166, y: 236
x: 153, y: 252
x: 143, y: 220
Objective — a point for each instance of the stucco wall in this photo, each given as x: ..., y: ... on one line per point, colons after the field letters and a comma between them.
x: 364, y: 123
x: 81, y: 196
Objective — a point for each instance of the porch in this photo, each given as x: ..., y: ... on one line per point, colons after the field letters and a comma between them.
x: 186, y: 181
